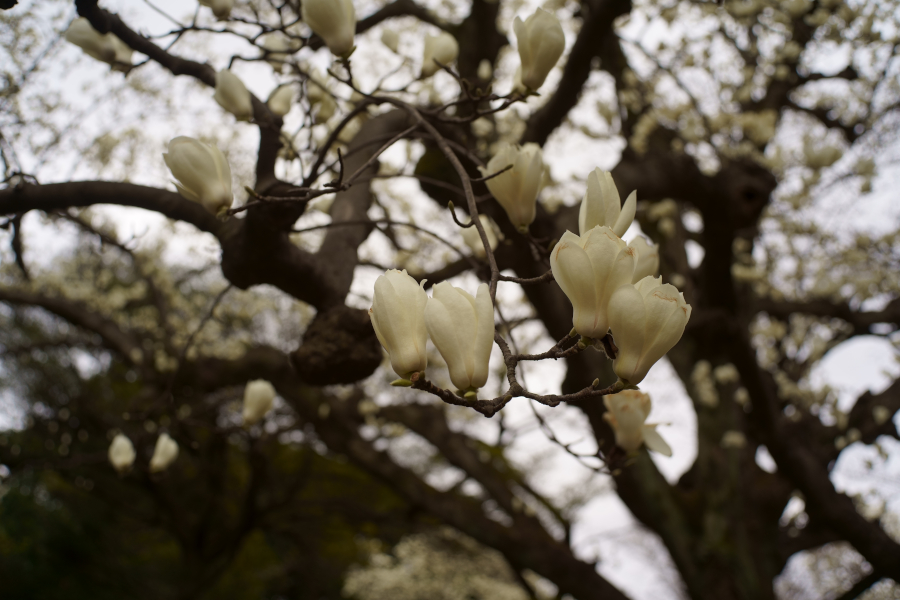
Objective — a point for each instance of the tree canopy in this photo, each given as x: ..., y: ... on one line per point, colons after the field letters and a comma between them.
x: 320, y: 147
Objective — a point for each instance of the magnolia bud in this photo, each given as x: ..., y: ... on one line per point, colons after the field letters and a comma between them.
x: 647, y: 319
x: 626, y: 414
x: 280, y: 100
x: 278, y: 49
x: 232, y: 95
x: 103, y: 47
x: 332, y: 20
x: 319, y: 98
x: 541, y: 43
x: 391, y: 39
x: 220, y: 8
x: 485, y: 70
x: 589, y: 269
x: 164, y: 454
x: 442, y: 48
x: 601, y: 205
x: 398, y: 317
x: 517, y: 189
x: 462, y: 329
x: 258, y: 398
x: 202, y: 172
x: 647, y: 259
x: 473, y: 239
x: 121, y: 453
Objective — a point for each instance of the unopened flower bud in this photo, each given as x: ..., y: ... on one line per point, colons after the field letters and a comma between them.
x: 462, y: 329
x: 541, y: 43
x: 280, y: 100
x: 164, y: 454
x: 602, y: 206
x: 233, y: 96
x: 121, y: 453
x: 647, y: 319
x: 398, y: 317
x: 202, y: 172
x: 104, y: 47
x: 442, y: 48
x: 220, y: 8
x: 332, y: 20
x: 517, y: 189
x: 259, y: 395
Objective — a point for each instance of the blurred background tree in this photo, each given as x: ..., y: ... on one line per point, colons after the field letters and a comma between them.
x: 760, y: 136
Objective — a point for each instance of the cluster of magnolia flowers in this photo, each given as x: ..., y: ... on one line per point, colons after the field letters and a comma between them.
x: 203, y: 173
x: 259, y: 395
x: 613, y: 288
x: 611, y: 285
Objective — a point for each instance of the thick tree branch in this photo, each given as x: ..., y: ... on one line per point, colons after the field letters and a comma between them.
x: 81, y: 316
x: 803, y: 468
x: 861, y: 321
x: 79, y: 194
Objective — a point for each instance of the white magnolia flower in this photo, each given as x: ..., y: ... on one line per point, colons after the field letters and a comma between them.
x: 626, y: 414
x: 278, y: 50
x: 517, y: 189
x: 320, y: 98
x: 647, y: 319
x: 442, y: 48
x: 648, y: 259
x: 202, y: 172
x: 473, y: 239
x: 485, y: 70
x: 233, y: 96
x: 462, y: 329
x: 398, y: 317
x: 589, y: 269
x: 164, y: 454
x: 220, y: 8
x: 121, y: 453
x: 280, y: 100
x: 104, y: 47
x: 601, y: 205
x: 541, y: 43
x: 332, y: 20
x: 391, y: 39
x: 258, y: 398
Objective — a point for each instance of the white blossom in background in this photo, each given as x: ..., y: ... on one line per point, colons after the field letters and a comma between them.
x: 602, y: 205
x: 259, y: 395
x: 626, y: 413
x: 391, y: 39
x: 473, y: 240
x: 517, y: 189
x: 220, y: 8
x: 320, y: 99
x: 647, y: 319
x: 398, y: 317
x: 233, y: 96
x: 121, y: 453
x: 442, y: 48
x: 202, y: 172
x: 332, y: 20
x: 164, y: 454
x: 647, y: 258
x: 103, y: 47
x: 589, y: 269
x: 541, y: 43
x: 485, y: 70
x: 462, y: 329
x: 280, y: 100
x: 278, y: 50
